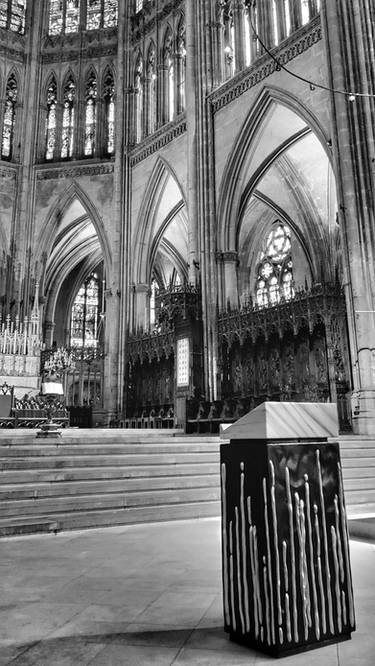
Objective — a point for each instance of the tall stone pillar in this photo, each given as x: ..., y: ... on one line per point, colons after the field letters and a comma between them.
x: 347, y: 25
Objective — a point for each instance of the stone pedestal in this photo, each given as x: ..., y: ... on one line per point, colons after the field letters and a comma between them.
x: 286, y: 568
x: 50, y: 430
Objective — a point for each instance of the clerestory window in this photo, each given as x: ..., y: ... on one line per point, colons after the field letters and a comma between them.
x: 9, y: 118
x: 68, y: 16
x: 109, y: 105
x: 51, y: 120
x: 274, y: 280
x: 67, y: 138
x: 90, y: 114
x: 12, y: 15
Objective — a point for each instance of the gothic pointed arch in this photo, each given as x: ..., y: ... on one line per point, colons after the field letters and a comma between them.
x: 167, y: 82
x: 181, y: 65
x: 139, y: 92
x: 9, y: 116
x: 50, y: 228
x: 240, y: 159
x: 108, y: 95
x: 147, y: 230
x: 69, y: 116
x: 90, y: 96
x: 151, y: 93
x: 50, y: 135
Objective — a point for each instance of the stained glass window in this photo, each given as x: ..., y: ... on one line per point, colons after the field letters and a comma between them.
x: 170, y: 88
x: 12, y: 15
x: 275, y: 269
x: 94, y: 14
x: 56, y: 17
x: 17, y: 17
x: 90, y: 119
x: 138, y: 5
x: 67, y: 141
x: 3, y: 13
x: 72, y: 16
x: 85, y: 314
x: 65, y: 15
x: 110, y: 13
x: 51, y: 119
x: 9, y: 118
x: 109, y: 94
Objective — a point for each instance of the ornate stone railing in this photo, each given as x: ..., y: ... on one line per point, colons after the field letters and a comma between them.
x: 320, y: 304
x: 146, y: 346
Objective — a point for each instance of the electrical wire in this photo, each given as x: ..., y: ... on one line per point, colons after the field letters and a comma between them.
x: 279, y: 66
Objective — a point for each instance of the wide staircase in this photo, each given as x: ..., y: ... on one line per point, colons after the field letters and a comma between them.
x: 92, y: 478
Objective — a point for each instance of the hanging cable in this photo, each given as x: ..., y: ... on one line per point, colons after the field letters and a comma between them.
x: 279, y: 66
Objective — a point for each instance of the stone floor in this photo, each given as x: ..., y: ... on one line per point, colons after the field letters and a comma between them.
x: 140, y: 595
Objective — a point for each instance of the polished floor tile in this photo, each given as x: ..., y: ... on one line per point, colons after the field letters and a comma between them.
x: 140, y: 595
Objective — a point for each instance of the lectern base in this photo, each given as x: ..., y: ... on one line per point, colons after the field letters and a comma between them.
x: 278, y: 652
x: 51, y: 430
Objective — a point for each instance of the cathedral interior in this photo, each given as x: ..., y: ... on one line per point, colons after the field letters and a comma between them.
x: 187, y: 207
x: 187, y: 232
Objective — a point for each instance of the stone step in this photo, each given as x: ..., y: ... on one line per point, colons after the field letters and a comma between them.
x: 103, y: 460
x: 128, y: 515
x: 356, y: 497
x: 108, y: 517
x: 50, y: 506
x: 100, y: 473
x: 354, y: 462
x: 357, y: 453
x: 360, y: 510
x: 352, y: 442
x: 34, y: 450
x: 359, y: 484
x: 39, y: 490
x: 27, y: 525
x: 358, y: 473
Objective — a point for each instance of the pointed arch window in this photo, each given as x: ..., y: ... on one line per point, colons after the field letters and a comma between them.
x: 90, y: 114
x: 109, y: 105
x: 67, y: 139
x: 85, y: 314
x: 181, y: 67
x: 138, y: 86
x: 51, y: 119
x: 171, y: 75
x: 12, y: 15
x: 9, y: 118
x: 274, y: 279
x: 151, y: 91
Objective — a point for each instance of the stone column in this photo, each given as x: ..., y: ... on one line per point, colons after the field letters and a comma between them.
x: 350, y: 56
